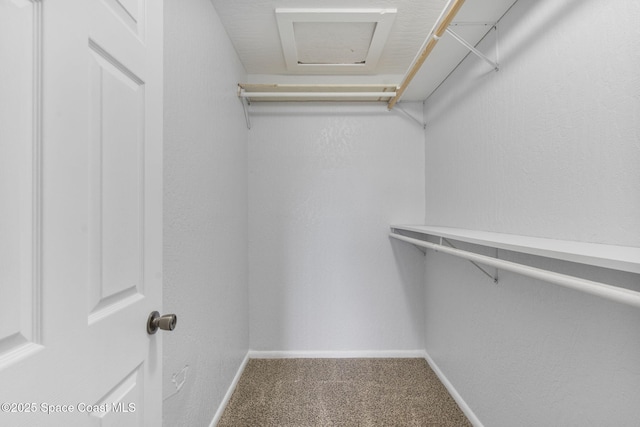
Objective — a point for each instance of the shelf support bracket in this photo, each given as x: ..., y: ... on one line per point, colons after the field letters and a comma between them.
x: 410, y: 116
x: 420, y: 248
x: 245, y: 107
x: 479, y: 54
x: 492, y: 277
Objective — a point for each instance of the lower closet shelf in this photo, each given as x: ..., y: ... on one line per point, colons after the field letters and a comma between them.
x: 623, y: 258
x: 586, y: 253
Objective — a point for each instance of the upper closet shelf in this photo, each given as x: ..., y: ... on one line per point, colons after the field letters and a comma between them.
x: 292, y: 92
x: 623, y: 258
x: 459, y: 38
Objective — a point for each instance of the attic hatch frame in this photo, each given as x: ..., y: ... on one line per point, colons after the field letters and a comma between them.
x: 371, y: 93
x: 287, y: 18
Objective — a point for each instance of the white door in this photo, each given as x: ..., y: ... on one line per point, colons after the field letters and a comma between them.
x: 80, y: 212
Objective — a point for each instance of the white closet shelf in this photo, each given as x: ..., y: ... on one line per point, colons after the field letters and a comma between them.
x: 623, y: 258
x: 306, y: 93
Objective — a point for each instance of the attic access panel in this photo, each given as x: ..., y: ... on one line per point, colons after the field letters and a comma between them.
x: 333, y: 41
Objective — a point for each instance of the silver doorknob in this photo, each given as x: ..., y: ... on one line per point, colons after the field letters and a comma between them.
x: 166, y: 322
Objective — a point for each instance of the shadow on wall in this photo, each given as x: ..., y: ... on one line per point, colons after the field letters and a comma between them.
x: 410, y: 262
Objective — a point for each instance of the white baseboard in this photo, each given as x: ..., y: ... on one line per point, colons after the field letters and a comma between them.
x: 258, y: 354
x: 468, y: 412
x: 227, y: 396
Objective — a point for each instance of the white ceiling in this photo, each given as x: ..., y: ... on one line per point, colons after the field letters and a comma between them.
x: 253, y: 29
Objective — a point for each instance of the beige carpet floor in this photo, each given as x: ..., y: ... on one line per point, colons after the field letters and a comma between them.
x: 340, y: 392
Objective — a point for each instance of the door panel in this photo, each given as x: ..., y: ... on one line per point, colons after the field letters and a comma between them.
x: 19, y: 190
x: 81, y: 232
x: 116, y: 232
x: 129, y: 12
x: 127, y: 396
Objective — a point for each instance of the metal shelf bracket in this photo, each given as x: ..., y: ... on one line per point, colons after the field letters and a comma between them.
x: 493, y: 277
x: 245, y: 107
x: 420, y: 248
x: 475, y: 51
x: 410, y: 116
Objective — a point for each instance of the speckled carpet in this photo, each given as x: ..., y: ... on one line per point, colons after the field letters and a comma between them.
x: 340, y: 392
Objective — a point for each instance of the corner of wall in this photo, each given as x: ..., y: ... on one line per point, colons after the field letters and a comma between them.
x: 205, y: 214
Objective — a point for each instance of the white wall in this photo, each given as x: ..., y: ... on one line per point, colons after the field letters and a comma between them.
x: 205, y: 257
x: 325, y: 182
x: 548, y: 146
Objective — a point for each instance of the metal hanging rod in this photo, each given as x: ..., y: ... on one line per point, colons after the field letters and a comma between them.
x: 319, y: 95
x: 613, y: 293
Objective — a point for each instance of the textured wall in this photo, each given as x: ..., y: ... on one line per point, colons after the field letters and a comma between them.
x: 555, y: 134
x: 548, y: 146
x: 325, y: 182
x: 205, y: 219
